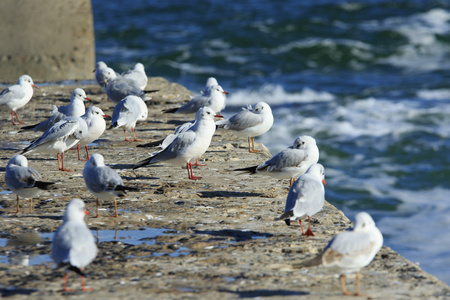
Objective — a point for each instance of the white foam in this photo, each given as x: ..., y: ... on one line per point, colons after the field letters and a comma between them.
x: 437, y: 94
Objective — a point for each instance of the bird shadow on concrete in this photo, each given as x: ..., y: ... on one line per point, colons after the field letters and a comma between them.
x: 7, y: 292
x: 238, y: 235
x: 265, y: 293
x: 227, y: 194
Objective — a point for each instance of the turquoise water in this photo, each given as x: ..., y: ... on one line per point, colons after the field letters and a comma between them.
x: 368, y: 79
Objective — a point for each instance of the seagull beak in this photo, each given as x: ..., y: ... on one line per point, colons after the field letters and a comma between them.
x: 86, y: 212
x: 218, y: 116
x: 94, y: 70
x: 88, y: 99
x: 33, y: 85
x: 324, y: 182
x: 225, y: 92
x: 107, y: 117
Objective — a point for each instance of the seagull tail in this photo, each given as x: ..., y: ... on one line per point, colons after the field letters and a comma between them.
x: 151, y: 144
x: 285, y: 216
x: 251, y: 170
x: 43, y: 185
x: 125, y: 188
x: 76, y: 270
x: 170, y: 110
x: 310, y: 262
x: 29, y: 127
x: 143, y: 162
x: 151, y: 91
x: 113, y: 125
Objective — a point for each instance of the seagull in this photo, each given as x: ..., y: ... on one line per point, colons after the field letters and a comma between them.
x: 100, y: 66
x: 103, y: 182
x: 215, y: 100
x: 187, y: 145
x: 306, y: 197
x: 73, y: 244
x: 351, y: 250
x: 250, y: 122
x: 23, y: 180
x: 118, y: 87
x: 210, y: 82
x: 62, y: 136
x: 290, y: 163
x: 163, y: 143
x: 75, y: 108
x: 137, y: 74
x: 17, y: 96
x: 127, y: 112
x: 95, y: 121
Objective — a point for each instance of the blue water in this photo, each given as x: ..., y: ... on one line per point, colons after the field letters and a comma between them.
x: 370, y: 80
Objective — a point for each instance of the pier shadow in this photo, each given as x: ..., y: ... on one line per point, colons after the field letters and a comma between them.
x: 13, y: 292
x: 238, y: 235
x: 265, y: 293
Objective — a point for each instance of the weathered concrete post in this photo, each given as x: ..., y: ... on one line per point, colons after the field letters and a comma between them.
x: 50, y: 40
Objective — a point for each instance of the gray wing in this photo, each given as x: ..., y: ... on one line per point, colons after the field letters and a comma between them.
x: 303, y: 195
x: 287, y: 158
x: 243, y: 120
x: 194, y: 105
x: 181, y: 141
x: 60, y: 130
x: 53, y: 119
x: 121, y: 87
x: 102, y: 179
x: 125, y: 112
x: 10, y: 93
x: 21, y: 177
x: 73, y: 243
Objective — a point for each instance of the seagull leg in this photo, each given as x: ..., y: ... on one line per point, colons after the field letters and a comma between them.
x: 96, y: 201
x: 79, y: 157
x: 18, y: 207
x: 65, y: 289
x: 291, y: 181
x: 197, y: 164
x: 134, y: 135
x: 191, y: 173
x: 31, y: 205
x: 253, y: 145
x: 125, y: 133
x: 18, y: 120
x: 83, y: 287
x: 301, y: 226
x: 358, y: 292
x: 115, y: 209
x: 87, y: 153
x: 62, y: 163
x: 309, y: 231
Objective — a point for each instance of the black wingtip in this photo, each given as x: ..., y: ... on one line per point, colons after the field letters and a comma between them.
x: 76, y: 270
x: 170, y: 110
x: 151, y: 91
x: 151, y: 144
x: 251, y: 170
x: 43, y: 185
x: 142, y: 163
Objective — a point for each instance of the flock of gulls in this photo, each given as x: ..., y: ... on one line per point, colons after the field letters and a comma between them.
x: 72, y: 126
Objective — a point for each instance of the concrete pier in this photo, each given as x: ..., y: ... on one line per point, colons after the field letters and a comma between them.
x: 50, y: 40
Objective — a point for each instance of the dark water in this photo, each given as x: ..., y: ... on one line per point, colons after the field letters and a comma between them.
x: 368, y: 79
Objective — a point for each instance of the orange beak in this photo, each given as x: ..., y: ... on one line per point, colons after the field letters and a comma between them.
x: 86, y: 212
x: 225, y: 92
x: 324, y: 182
x: 88, y: 99
x: 33, y: 85
x: 107, y: 117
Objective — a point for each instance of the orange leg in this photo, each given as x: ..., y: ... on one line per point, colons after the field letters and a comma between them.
x: 197, y: 164
x: 18, y: 207
x: 31, y: 205
x: 87, y: 153
x: 191, y: 173
x: 126, y: 139
x: 62, y: 163
x: 12, y: 118
x: 134, y: 135
x: 97, y: 216
x: 65, y: 289
x: 309, y: 231
x: 115, y: 209
x: 252, y: 149
x: 83, y: 287
x: 291, y: 181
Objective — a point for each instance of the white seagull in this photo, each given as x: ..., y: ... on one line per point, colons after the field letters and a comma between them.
x: 290, y: 163
x: 306, y: 197
x: 75, y: 108
x: 95, y: 121
x: 23, y: 180
x: 100, y: 66
x: 73, y: 244
x: 118, y: 87
x: 214, y: 100
x: 127, y: 112
x: 62, y: 136
x: 351, y: 250
x: 250, y: 122
x: 17, y: 96
x: 210, y: 82
x: 137, y: 74
x: 188, y: 145
x: 103, y: 182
